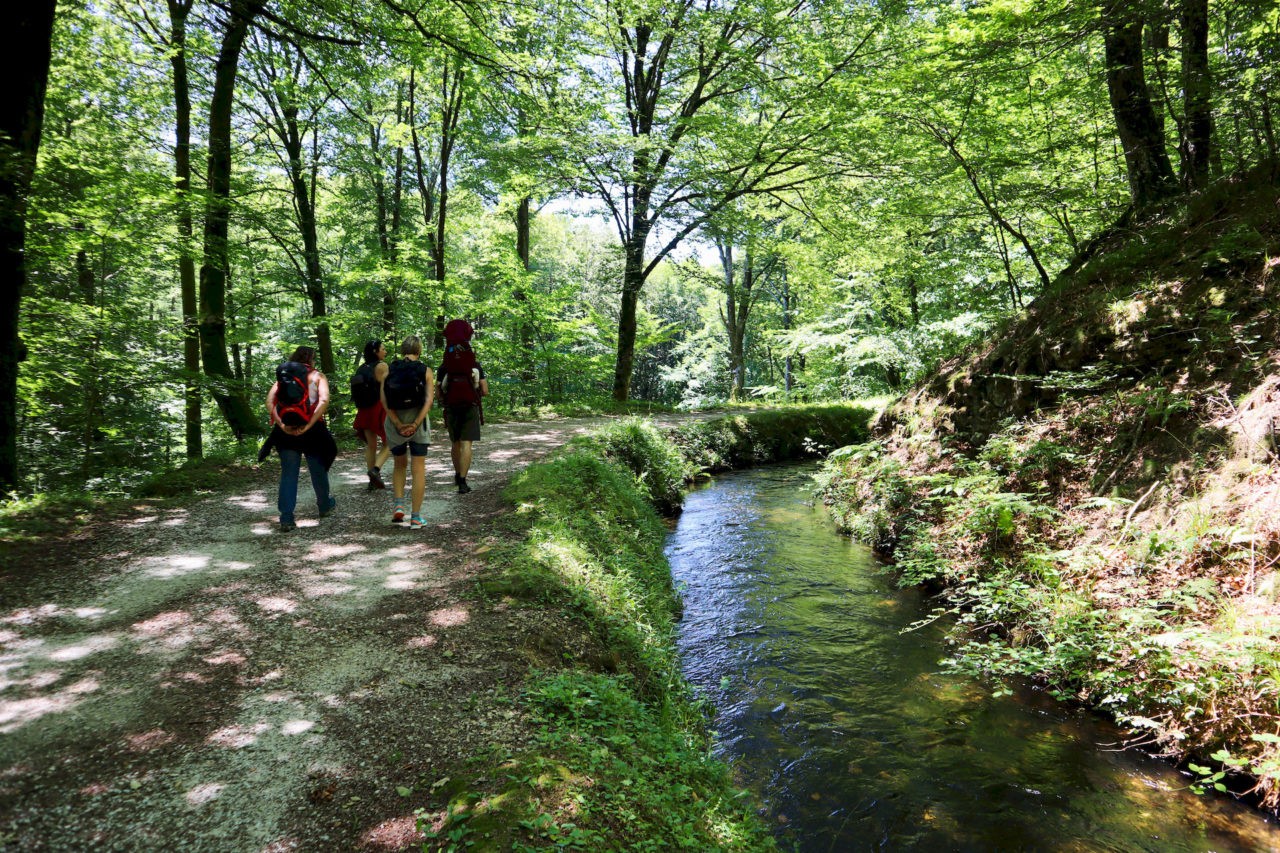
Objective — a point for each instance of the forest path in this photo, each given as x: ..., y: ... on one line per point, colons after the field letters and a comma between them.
x: 192, y: 678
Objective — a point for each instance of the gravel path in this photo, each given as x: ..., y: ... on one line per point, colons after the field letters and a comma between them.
x: 187, y: 677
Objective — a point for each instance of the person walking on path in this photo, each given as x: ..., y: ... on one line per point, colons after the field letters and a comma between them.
x: 370, y: 424
x: 462, y: 387
x: 408, y: 390
x: 296, y: 405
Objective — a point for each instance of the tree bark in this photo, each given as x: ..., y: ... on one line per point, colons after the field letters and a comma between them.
x: 632, y: 282
x: 1195, y: 147
x: 310, y: 239
x: 28, y: 33
x: 523, y: 225
x: 230, y: 396
x: 1141, y: 133
x: 192, y: 414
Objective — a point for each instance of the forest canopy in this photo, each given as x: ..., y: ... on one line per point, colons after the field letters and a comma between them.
x: 686, y: 203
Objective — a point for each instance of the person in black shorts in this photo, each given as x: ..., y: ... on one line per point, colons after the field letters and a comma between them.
x: 462, y: 385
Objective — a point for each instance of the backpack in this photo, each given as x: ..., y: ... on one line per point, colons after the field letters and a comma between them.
x: 293, y: 397
x: 364, y: 388
x: 406, y: 384
x: 460, y: 376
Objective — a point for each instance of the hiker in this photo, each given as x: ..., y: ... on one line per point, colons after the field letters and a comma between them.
x: 408, y: 389
x: 370, y: 424
x: 296, y: 405
x: 462, y: 388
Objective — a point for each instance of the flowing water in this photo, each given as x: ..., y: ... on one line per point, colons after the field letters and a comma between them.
x: 854, y: 737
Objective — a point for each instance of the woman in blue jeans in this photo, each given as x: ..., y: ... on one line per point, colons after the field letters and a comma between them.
x: 312, y: 440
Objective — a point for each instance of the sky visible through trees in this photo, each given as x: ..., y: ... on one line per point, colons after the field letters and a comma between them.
x: 678, y: 202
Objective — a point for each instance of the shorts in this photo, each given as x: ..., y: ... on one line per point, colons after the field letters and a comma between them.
x: 415, y: 444
x: 372, y: 419
x: 414, y: 448
x: 463, y: 422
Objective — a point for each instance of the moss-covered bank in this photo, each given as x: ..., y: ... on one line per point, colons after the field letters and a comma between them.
x: 621, y: 756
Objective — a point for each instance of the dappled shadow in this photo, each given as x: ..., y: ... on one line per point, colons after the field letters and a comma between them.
x: 194, y: 673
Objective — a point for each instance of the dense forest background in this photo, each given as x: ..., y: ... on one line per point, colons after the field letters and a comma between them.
x: 685, y: 203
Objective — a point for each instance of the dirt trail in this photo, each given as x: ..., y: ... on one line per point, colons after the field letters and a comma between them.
x: 193, y: 679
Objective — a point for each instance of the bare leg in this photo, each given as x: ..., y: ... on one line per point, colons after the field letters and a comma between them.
x: 419, y: 481
x: 398, y: 475
x: 382, y: 456
x: 370, y: 439
x: 462, y: 460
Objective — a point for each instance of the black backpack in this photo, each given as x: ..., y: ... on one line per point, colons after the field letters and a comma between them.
x: 406, y: 385
x: 364, y: 388
x: 293, y: 398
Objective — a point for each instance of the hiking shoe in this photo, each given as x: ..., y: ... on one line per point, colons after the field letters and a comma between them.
x: 286, y: 526
x: 375, y: 480
x: 327, y: 511
x: 463, y: 488
x: 397, y: 514
x: 416, y: 522
x: 457, y: 479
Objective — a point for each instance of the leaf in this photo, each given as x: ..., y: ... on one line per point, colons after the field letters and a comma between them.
x: 403, y: 791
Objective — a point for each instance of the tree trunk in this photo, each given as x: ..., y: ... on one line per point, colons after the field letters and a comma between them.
x: 381, y: 217
x: 632, y: 282
x: 1197, y: 138
x: 178, y: 11
x: 1140, y: 130
x: 28, y: 33
x: 523, y: 225
x: 788, y: 375
x: 213, y: 272
x: 310, y: 240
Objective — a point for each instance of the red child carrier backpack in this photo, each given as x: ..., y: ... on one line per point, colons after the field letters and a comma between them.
x: 293, y: 394
x: 461, y: 376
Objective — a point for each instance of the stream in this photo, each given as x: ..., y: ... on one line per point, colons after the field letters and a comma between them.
x: 854, y: 737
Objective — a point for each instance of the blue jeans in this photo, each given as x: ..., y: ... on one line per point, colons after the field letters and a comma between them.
x: 290, y: 467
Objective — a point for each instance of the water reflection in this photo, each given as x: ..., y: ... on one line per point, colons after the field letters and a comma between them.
x: 853, y: 736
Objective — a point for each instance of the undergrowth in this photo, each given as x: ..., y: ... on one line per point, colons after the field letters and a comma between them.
x: 1131, y: 620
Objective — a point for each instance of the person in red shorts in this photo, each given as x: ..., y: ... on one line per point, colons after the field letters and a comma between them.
x: 370, y: 415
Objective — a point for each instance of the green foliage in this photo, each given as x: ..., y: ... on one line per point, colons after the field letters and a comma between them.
x: 635, y: 764
x: 652, y: 459
x: 739, y: 441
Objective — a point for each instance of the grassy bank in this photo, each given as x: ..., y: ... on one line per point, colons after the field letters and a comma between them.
x: 621, y: 754
x: 1095, y: 489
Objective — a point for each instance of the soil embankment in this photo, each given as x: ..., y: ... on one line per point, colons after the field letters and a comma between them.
x: 1097, y: 486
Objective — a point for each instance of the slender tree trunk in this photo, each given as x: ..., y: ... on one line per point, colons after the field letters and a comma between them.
x: 1140, y: 129
x: 450, y: 112
x: 788, y: 374
x: 1195, y: 147
x: 213, y: 273
x: 302, y: 199
x: 28, y: 33
x: 178, y: 11
x: 523, y: 225
x: 381, y: 218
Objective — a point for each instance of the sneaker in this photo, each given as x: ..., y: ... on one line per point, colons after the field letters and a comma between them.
x: 286, y: 526
x: 375, y: 480
x: 327, y: 511
x: 463, y: 488
x: 416, y: 522
x: 397, y: 514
